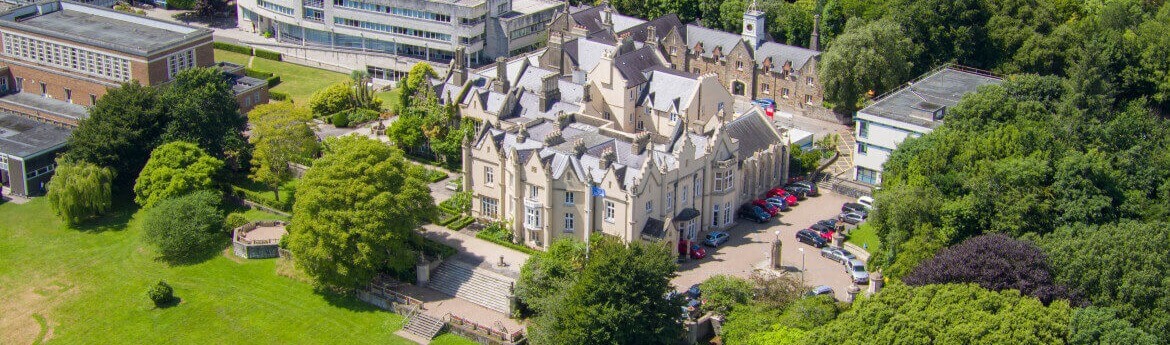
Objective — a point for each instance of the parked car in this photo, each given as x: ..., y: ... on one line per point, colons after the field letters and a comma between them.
x: 780, y: 192
x: 716, y: 238
x: 801, y: 193
x: 813, y: 190
x: 820, y: 290
x: 837, y: 254
x: 852, y: 217
x: 754, y: 213
x: 831, y: 222
x: 811, y: 238
x: 697, y: 252
x: 772, y: 210
x: 779, y: 203
x: 765, y: 103
x: 866, y: 201
x: 824, y: 231
x: 855, y: 208
x: 856, y: 270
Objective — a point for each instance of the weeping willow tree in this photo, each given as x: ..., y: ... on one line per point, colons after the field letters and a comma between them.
x: 80, y: 191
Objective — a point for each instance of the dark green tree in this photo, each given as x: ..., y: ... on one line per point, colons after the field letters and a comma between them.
x: 174, y: 169
x: 1094, y: 325
x: 186, y: 229
x: 419, y: 77
x: 867, y: 59
x: 721, y: 293
x: 201, y: 108
x: 121, y: 130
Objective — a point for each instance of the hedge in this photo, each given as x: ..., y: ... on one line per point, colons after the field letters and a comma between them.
x: 277, y: 96
x: 265, y: 198
x: 484, y: 236
x: 461, y: 223
x: 273, y: 81
x: 257, y: 74
x: 435, y: 175
x: 232, y: 47
x: 267, y: 54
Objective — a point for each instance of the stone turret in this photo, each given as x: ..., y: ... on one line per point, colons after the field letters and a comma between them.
x: 502, y: 84
x: 549, y: 91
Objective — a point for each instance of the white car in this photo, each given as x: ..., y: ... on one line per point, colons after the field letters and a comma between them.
x: 852, y: 218
x: 857, y: 272
x: 866, y: 201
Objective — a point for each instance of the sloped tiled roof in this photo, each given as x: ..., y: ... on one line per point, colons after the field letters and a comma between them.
x: 753, y: 133
x: 711, y: 38
x: 633, y: 63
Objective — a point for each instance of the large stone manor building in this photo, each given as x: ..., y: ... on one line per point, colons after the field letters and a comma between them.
x: 749, y: 65
x: 629, y: 148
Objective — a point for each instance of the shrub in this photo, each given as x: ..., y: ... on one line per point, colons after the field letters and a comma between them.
x: 267, y: 54
x: 362, y: 115
x: 273, y: 81
x: 235, y: 220
x: 161, y: 294
x: 461, y: 223
x: 232, y: 48
x: 180, y: 4
x: 265, y: 197
x: 340, y: 119
x: 331, y: 99
x: 187, y: 228
x: 277, y: 96
x: 257, y: 74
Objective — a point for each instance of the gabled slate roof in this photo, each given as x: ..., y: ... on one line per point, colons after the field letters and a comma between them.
x: 753, y: 133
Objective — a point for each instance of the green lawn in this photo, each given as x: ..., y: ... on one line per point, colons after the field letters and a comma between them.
x: 299, y: 82
x: 865, y: 237
x: 88, y: 286
x: 389, y: 98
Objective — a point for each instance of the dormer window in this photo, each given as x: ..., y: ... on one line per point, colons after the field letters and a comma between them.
x: 739, y: 64
x: 673, y: 117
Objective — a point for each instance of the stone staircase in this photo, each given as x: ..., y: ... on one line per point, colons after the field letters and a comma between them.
x: 424, y: 326
x: 474, y: 284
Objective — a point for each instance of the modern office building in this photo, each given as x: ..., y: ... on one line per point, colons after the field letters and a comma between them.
x: 909, y: 112
x: 387, y: 37
x: 749, y: 64
x: 28, y: 153
x: 59, y: 57
x: 636, y: 150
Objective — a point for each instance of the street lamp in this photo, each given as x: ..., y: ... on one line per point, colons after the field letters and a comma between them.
x: 801, y: 265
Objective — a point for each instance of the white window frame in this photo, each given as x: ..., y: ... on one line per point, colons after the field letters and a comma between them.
x: 489, y: 176
x: 669, y: 201
x: 715, y: 215
x: 727, y: 214
x: 532, y: 217
x: 650, y: 206
x: 570, y: 198
x: 609, y: 212
x: 533, y: 192
x: 569, y: 222
x: 489, y: 206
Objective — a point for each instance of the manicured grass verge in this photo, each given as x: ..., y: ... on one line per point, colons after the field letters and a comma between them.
x: 865, y: 237
x: 296, y: 81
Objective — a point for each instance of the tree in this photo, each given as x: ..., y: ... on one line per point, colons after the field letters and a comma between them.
x: 363, y: 96
x: 187, y: 228
x: 721, y: 293
x: 619, y: 286
x: 121, y: 130
x: 546, y: 274
x: 867, y: 57
x: 418, y: 78
x: 946, y: 314
x: 161, y: 294
x: 208, y: 8
x: 80, y: 191
x: 175, y: 169
x: 332, y: 99
x: 1129, y: 278
x: 948, y: 30
x: 200, y: 108
x: 1095, y: 325
x: 996, y: 262
x: 355, y: 213
x: 744, y: 322
x: 280, y: 135
x: 809, y: 313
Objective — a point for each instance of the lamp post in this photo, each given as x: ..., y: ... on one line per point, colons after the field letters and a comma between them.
x: 776, y: 251
x: 801, y: 265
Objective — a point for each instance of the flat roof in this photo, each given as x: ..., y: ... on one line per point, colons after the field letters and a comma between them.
x: 101, y: 27
x: 23, y: 137
x: 48, y: 105
x: 532, y: 6
x: 934, y: 91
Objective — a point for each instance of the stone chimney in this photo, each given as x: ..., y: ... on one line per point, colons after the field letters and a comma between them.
x: 585, y: 90
x: 641, y: 142
x: 522, y: 135
x: 607, y: 15
x: 459, y: 67
x: 626, y: 45
x: 579, y: 147
x: 815, y: 41
x: 607, y: 159
x: 652, y: 36
x: 549, y: 90
x: 502, y: 75
x: 563, y: 119
x: 555, y: 138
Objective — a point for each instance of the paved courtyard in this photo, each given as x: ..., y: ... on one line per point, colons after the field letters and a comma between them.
x: 750, y: 242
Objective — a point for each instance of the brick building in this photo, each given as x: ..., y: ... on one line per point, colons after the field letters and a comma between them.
x: 750, y: 65
x: 58, y: 57
x: 28, y: 152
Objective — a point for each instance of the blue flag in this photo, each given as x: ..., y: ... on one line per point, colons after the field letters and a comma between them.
x: 597, y: 191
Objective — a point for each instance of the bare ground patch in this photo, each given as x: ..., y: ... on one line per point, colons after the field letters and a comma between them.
x: 27, y: 314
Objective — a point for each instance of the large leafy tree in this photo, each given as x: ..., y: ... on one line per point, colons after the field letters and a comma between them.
x: 721, y: 293
x: 869, y: 57
x: 996, y: 262
x: 1095, y: 325
x: 546, y: 274
x: 1121, y: 266
x: 121, y: 130
x: 355, y: 212
x: 418, y: 78
x: 616, y: 298
x: 280, y: 135
x: 201, y: 108
x: 332, y: 99
x: 80, y: 191
x: 187, y: 228
x: 174, y: 169
x: 948, y: 30
x: 947, y: 314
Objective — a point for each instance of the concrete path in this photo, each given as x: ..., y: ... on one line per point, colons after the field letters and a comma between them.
x: 438, y: 304
x: 478, y: 252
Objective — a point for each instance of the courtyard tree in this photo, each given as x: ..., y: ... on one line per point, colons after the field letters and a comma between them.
x: 355, y: 212
x: 723, y: 292
x: 949, y: 314
x: 121, y: 130
x: 200, y: 108
x: 280, y: 135
x: 80, y: 191
x: 332, y: 99
x: 996, y: 262
x: 187, y: 228
x: 546, y: 274
x: 616, y: 298
x: 175, y: 169
x: 868, y: 57
x: 418, y: 78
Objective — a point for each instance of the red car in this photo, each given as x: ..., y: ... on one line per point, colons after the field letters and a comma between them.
x: 791, y: 199
x: 697, y: 251
x: 772, y: 209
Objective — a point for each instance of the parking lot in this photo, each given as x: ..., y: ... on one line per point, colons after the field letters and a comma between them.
x: 748, y: 248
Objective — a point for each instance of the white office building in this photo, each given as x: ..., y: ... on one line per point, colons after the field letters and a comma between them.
x: 909, y: 112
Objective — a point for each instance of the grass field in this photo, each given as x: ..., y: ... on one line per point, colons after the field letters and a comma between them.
x: 87, y: 286
x: 865, y: 237
x: 299, y: 82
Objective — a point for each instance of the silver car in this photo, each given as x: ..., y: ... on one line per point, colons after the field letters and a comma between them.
x: 837, y: 254
x: 856, y: 270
